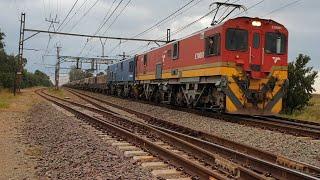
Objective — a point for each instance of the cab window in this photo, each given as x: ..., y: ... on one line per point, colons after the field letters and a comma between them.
x: 275, y: 43
x: 212, y: 45
x: 145, y: 59
x: 175, y: 52
x: 236, y: 39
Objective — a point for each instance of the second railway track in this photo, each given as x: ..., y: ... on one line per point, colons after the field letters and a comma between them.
x: 274, y: 123
x: 249, y: 158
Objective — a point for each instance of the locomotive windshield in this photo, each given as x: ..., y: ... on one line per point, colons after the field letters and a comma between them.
x: 275, y: 43
x: 237, y: 40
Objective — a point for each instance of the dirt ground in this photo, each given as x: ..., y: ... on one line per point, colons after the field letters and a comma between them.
x: 17, y: 161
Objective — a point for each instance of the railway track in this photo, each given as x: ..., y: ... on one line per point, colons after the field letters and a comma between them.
x: 274, y: 123
x: 251, y: 159
x: 194, y: 161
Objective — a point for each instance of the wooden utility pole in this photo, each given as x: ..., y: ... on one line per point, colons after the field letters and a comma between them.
x: 57, y: 71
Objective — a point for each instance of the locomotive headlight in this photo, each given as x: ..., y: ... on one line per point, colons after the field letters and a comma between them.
x: 256, y: 23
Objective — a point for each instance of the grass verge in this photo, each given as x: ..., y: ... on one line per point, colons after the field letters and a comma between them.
x: 19, y: 103
x: 310, y: 113
x: 6, y: 97
x: 56, y: 92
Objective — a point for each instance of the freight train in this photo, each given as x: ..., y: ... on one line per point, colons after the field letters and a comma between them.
x: 239, y: 66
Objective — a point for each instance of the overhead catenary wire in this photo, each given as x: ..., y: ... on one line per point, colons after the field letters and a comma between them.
x: 173, y: 15
x: 251, y: 7
x: 74, y: 4
x: 108, y: 16
x: 75, y: 13
x: 159, y: 22
x: 84, y: 15
x: 282, y: 7
x: 115, y: 19
x: 102, y: 25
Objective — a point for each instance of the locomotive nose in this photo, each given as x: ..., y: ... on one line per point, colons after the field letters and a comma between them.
x: 255, y: 72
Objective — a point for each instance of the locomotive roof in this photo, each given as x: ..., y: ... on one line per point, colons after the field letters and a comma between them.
x: 209, y: 28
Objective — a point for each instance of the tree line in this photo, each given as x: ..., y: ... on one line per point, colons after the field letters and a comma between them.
x: 8, y: 65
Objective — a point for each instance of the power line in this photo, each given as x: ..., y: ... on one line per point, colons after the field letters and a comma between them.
x: 197, y: 20
x: 75, y: 13
x: 74, y: 4
x: 155, y: 25
x: 85, y: 14
x: 282, y: 7
x: 115, y: 19
x: 121, y: 11
x: 254, y: 5
x: 102, y: 25
x: 108, y: 16
x: 165, y: 20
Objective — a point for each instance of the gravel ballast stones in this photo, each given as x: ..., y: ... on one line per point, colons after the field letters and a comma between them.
x: 65, y: 148
x: 298, y: 148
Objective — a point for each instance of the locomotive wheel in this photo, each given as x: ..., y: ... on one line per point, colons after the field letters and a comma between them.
x: 179, y: 99
x: 219, y: 99
x: 135, y: 92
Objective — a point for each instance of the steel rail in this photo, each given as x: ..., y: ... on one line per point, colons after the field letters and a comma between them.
x: 295, y: 122
x: 251, y: 160
x: 278, y: 159
x: 284, y: 127
x: 178, y: 161
x: 297, y: 130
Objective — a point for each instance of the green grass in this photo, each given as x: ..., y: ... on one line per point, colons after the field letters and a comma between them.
x: 3, y: 104
x: 5, y: 98
x: 59, y: 92
x: 310, y: 113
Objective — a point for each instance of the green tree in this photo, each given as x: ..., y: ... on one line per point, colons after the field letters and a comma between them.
x: 8, y: 64
x: 76, y: 74
x: 1, y: 40
x: 301, y: 78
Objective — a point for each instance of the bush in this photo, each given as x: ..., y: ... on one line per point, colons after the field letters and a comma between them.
x: 301, y: 79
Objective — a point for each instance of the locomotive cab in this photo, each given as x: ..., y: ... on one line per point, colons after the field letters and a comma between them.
x: 258, y: 47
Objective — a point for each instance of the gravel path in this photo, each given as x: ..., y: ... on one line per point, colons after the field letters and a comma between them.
x: 298, y: 148
x: 65, y: 149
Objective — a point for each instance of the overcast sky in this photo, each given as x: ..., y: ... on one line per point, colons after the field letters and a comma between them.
x: 301, y: 19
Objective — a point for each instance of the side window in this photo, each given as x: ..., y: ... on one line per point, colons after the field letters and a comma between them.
x: 131, y: 66
x: 256, y: 40
x: 212, y: 45
x: 175, y: 52
x: 145, y: 59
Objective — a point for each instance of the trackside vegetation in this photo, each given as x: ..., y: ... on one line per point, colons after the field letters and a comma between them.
x: 8, y: 64
x: 301, y: 79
